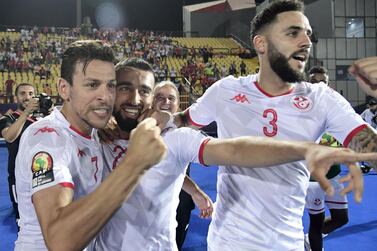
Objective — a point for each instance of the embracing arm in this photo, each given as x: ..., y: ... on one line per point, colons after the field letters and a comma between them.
x: 69, y: 224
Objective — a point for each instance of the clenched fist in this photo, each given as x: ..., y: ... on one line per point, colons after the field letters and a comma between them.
x: 146, y: 147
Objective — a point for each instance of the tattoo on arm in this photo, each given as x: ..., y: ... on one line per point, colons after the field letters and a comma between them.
x: 365, y: 141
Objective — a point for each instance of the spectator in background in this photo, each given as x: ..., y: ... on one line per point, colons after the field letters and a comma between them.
x: 369, y: 115
x: 173, y: 74
x: 224, y: 71
x: 9, y: 89
x: 12, y: 126
x: 318, y: 74
x: 233, y: 69
x: 243, y: 68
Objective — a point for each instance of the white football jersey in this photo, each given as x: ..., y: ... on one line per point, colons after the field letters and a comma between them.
x: 52, y: 152
x: 261, y: 208
x: 146, y: 221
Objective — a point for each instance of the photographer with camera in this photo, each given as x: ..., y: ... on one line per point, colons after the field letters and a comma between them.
x: 14, y: 124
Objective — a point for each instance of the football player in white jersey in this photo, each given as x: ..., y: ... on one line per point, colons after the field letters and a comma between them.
x: 261, y: 209
x: 59, y: 164
x: 146, y: 221
x: 166, y: 98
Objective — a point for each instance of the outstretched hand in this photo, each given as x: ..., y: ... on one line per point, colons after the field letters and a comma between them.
x: 320, y: 159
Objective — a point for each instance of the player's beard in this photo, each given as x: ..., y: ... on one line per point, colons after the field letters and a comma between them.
x: 125, y: 124
x: 279, y: 64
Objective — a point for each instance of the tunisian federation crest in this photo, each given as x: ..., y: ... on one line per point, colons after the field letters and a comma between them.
x: 302, y: 103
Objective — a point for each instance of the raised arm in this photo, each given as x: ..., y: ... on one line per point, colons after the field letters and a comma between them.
x: 260, y: 152
x: 69, y: 224
x: 11, y: 133
x: 365, y: 72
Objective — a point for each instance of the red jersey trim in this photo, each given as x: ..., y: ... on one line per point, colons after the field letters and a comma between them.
x: 269, y: 95
x: 79, y: 132
x: 192, y: 121
x: 67, y: 184
x: 353, y: 133
x: 201, y: 150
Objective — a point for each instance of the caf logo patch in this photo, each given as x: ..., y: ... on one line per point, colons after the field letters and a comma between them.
x: 41, y: 167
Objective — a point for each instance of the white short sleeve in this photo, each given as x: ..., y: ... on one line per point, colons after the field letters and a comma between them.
x: 203, y: 112
x: 48, y: 155
x: 342, y: 121
x: 186, y: 144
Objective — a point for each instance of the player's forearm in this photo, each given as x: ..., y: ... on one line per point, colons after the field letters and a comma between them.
x: 253, y: 151
x: 365, y: 141
x: 15, y: 129
x: 85, y: 217
x: 189, y: 186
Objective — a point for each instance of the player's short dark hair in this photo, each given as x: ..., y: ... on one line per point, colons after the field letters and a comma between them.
x: 318, y: 69
x: 84, y: 51
x: 268, y: 15
x: 133, y: 62
x: 20, y: 85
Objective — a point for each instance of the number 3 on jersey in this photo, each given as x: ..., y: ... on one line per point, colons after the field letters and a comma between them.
x: 273, y: 129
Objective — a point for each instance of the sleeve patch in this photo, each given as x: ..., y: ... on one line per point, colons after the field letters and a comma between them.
x: 41, y: 167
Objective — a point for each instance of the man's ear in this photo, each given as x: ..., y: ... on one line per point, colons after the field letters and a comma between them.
x: 64, y: 89
x: 259, y: 43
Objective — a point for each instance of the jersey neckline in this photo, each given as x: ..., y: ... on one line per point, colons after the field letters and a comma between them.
x: 79, y: 132
x: 270, y: 95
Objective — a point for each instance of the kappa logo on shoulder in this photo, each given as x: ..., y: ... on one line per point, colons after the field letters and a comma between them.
x: 240, y: 98
x: 46, y: 129
x: 302, y: 103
